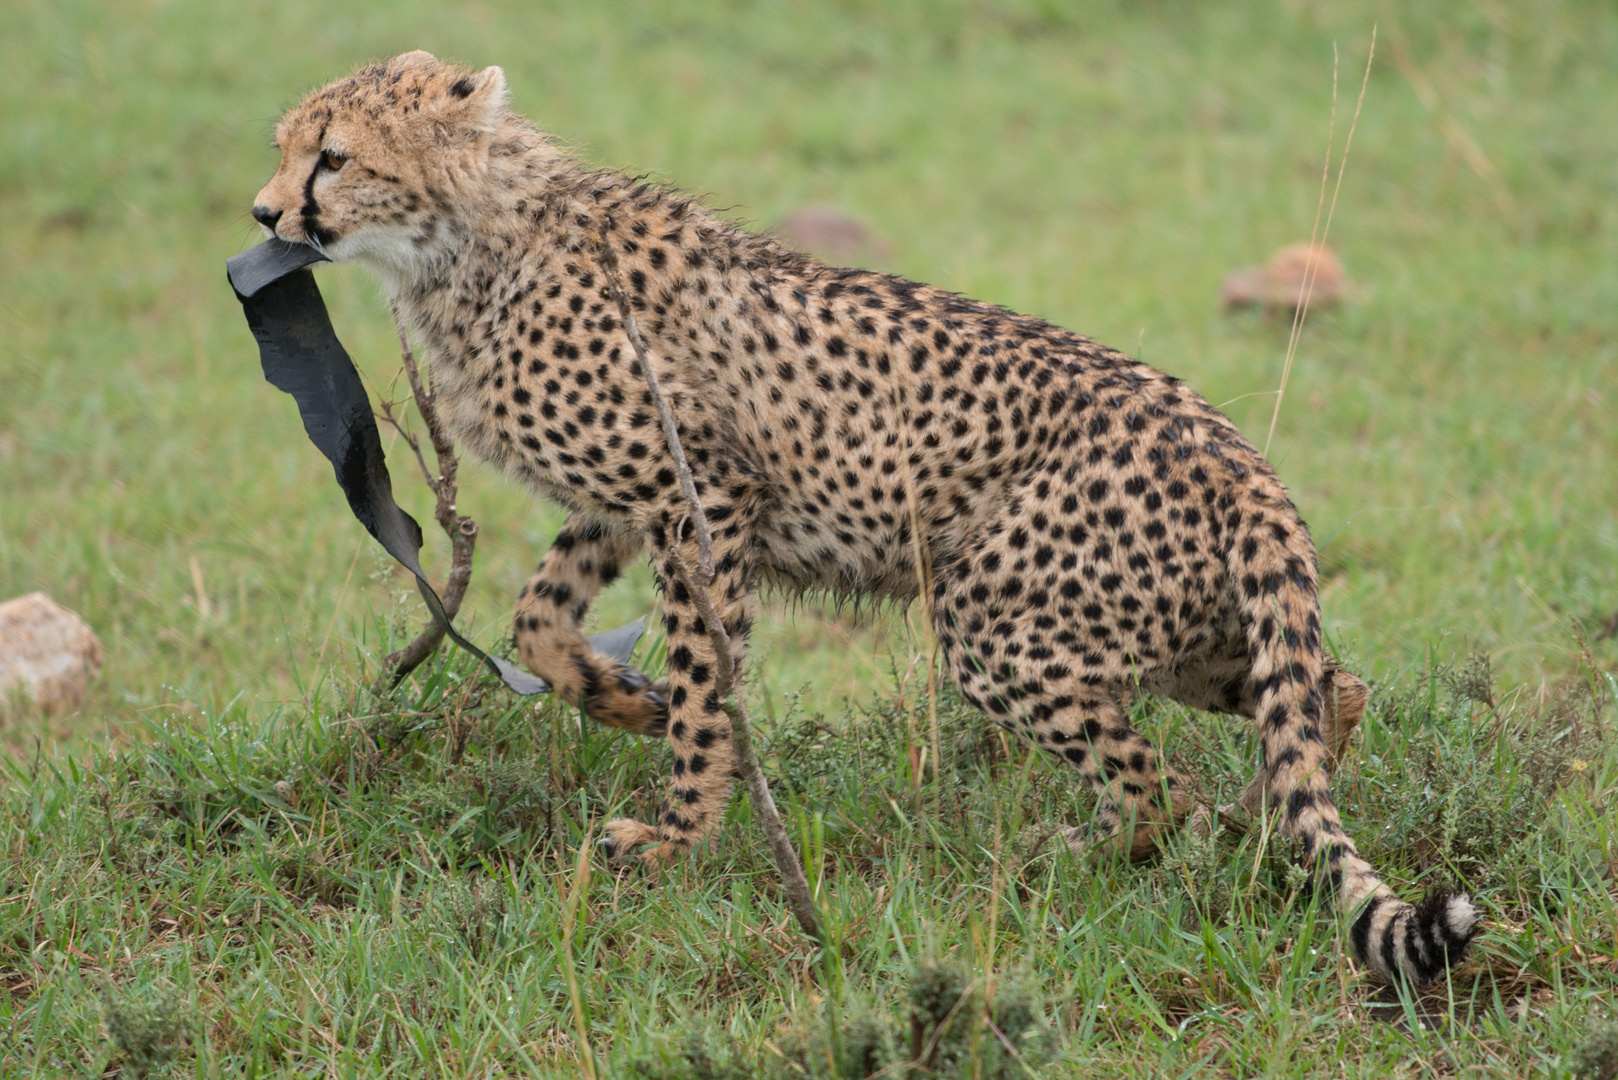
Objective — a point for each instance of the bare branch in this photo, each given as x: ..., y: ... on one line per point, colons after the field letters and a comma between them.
x: 700, y: 586
x: 461, y: 530
x: 607, y: 258
x: 410, y: 441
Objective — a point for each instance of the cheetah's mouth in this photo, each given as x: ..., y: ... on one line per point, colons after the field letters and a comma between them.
x: 257, y: 268
x: 301, y: 355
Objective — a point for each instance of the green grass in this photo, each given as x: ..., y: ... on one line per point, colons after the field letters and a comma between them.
x: 328, y: 890
x: 1450, y: 438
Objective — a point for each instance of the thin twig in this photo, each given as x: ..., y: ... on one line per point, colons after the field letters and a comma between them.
x: 608, y: 258
x: 411, y: 441
x: 461, y: 530
x: 699, y: 584
x: 1311, y: 268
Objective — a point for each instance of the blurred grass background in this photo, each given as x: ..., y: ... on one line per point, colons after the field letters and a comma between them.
x: 248, y: 867
x: 1450, y: 439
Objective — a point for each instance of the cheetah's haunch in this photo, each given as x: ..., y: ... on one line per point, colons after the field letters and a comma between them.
x: 1090, y: 521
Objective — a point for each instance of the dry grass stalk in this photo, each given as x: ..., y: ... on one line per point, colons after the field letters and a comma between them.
x: 1317, y: 235
x: 571, y: 903
x: 700, y: 582
x: 1460, y: 140
x: 924, y: 589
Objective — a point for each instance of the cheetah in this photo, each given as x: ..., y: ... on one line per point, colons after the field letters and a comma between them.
x: 1092, y: 525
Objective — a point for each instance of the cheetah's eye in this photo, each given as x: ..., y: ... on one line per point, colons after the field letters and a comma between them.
x: 332, y: 161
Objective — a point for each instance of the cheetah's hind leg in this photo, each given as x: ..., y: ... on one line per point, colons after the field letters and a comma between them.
x: 1140, y: 800
x: 996, y: 636
x: 1346, y: 696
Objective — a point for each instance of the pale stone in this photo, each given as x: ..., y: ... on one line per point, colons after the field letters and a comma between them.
x: 1285, y: 281
x: 831, y: 235
x: 47, y: 653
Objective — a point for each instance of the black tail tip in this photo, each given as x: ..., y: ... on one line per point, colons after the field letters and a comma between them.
x: 1451, y: 914
x: 1440, y: 933
x: 1415, y: 944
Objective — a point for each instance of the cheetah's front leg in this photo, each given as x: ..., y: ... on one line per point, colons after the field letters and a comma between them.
x: 585, y: 557
x: 699, y: 727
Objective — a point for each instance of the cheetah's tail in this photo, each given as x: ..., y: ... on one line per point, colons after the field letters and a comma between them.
x: 1274, y: 573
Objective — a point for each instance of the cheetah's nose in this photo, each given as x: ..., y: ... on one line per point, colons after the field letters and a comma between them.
x: 266, y: 217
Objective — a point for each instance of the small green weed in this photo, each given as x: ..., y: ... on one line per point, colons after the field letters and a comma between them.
x: 1597, y: 1057
x: 1473, y: 782
x: 148, y: 1032
x: 944, y: 1025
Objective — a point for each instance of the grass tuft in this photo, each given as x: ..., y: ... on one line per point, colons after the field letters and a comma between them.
x: 942, y: 1023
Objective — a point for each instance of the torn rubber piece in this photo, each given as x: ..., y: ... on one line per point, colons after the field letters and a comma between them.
x: 302, y: 356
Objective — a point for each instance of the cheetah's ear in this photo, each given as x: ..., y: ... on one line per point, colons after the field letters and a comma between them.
x: 480, y: 98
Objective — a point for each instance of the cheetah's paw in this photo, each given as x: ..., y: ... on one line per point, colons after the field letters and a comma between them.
x: 626, y: 699
x: 627, y: 841
x: 1098, y: 845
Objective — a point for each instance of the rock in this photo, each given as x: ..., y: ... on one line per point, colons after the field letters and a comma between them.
x: 46, y: 652
x: 832, y: 235
x: 1277, y: 286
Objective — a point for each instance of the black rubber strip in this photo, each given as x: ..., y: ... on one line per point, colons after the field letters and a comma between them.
x: 302, y: 356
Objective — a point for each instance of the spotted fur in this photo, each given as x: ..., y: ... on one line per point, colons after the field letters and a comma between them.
x: 1091, y: 523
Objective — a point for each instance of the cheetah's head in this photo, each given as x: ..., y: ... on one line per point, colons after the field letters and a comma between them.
x: 385, y: 165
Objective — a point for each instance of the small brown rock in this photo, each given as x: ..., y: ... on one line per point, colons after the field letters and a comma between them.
x: 1280, y: 285
x: 47, y: 652
x: 832, y: 235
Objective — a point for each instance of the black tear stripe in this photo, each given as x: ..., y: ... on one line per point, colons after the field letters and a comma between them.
x: 302, y: 356
x: 310, y: 212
